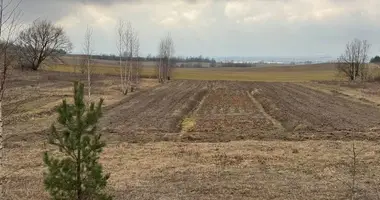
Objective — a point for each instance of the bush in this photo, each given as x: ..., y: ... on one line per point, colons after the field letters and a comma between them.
x: 74, y: 172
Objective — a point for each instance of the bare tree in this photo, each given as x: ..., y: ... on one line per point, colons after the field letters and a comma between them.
x: 88, y: 51
x: 166, y: 51
x: 137, y: 60
x: 8, y: 26
x: 353, y: 62
x: 121, y: 49
x: 128, y: 47
x: 41, y: 40
x: 129, y: 39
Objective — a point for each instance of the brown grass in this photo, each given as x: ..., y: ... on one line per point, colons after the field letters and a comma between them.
x: 239, y: 170
x: 268, y: 73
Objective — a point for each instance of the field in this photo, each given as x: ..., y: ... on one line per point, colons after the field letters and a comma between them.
x: 262, y: 73
x: 209, y: 139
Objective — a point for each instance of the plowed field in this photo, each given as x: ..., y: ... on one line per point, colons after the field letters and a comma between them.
x: 225, y: 111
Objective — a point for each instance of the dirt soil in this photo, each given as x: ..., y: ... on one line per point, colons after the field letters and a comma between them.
x: 301, y: 108
x: 227, y: 110
x: 283, y: 111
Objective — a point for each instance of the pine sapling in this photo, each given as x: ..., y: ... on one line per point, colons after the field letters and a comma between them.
x: 74, y: 171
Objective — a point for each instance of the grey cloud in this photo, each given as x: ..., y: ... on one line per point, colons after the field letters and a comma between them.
x: 223, y: 37
x: 46, y: 9
x: 56, y: 9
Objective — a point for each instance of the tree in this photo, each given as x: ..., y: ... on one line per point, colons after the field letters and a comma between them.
x: 166, y: 51
x: 41, y: 40
x: 128, y: 46
x: 375, y: 59
x: 120, y: 47
x: 131, y: 42
x: 213, y: 63
x: 136, y: 52
x: 9, y: 16
x: 74, y: 171
x: 87, y: 48
x: 353, y: 62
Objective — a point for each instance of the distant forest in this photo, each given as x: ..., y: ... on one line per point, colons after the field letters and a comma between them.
x: 154, y: 58
x: 375, y: 59
x: 183, y: 62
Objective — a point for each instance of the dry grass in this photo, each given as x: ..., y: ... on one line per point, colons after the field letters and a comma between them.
x: 367, y: 93
x: 238, y: 170
x: 99, y: 69
x: 264, y: 74
x: 188, y: 124
x: 30, y: 102
x: 282, y: 73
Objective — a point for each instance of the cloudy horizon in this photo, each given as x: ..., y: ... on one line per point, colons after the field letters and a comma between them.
x: 282, y: 28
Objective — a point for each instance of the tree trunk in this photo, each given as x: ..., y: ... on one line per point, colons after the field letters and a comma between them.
x: 79, y: 180
x: 121, y: 76
x: 35, y: 67
x: 89, y: 79
x: 160, y: 69
x: 2, y: 181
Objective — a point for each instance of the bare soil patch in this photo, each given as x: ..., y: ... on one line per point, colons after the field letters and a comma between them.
x: 154, y: 113
x: 303, y: 109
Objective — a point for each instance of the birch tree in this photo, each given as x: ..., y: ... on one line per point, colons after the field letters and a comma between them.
x: 137, y: 60
x: 128, y: 45
x: 128, y: 37
x: 88, y: 50
x: 8, y: 26
x: 121, y: 49
x: 166, y: 51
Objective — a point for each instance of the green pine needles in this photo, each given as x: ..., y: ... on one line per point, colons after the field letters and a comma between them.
x: 75, y: 173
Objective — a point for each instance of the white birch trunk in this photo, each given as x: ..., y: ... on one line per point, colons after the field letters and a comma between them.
x: 89, y: 79
x: 121, y: 76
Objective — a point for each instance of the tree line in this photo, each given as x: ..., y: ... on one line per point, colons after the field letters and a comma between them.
x: 150, y: 57
x: 375, y: 59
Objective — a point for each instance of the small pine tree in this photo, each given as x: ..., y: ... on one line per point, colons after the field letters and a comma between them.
x: 74, y: 172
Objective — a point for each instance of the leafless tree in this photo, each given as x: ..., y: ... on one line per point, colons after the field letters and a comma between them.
x: 166, y: 51
x: 88, y: 51
x: 9, y: 16
x: 137, y: 60
x: 353, y: 62
x: 121, y: 49
x: 41, y: 40
x: 128, y: 47
x: 129, y: 44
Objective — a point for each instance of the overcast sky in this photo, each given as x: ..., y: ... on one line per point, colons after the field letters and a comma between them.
x: 219, y: 27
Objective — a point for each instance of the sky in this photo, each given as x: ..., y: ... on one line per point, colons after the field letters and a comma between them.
x: 283, y: 28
